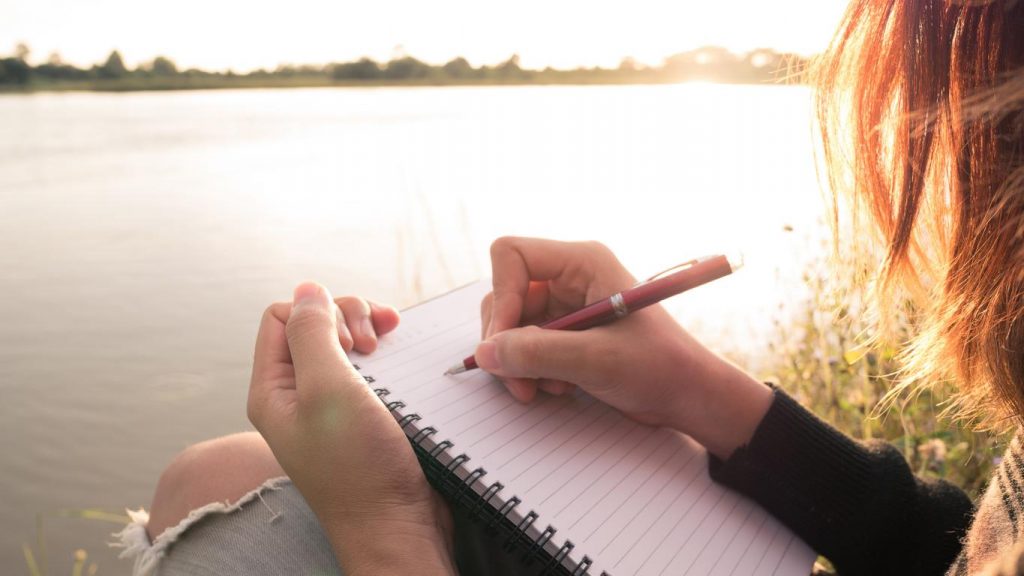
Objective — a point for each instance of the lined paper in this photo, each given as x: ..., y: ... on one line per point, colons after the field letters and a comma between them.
x: 631, y: 498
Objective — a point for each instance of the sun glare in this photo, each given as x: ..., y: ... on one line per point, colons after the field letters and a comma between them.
x: 241, y: 36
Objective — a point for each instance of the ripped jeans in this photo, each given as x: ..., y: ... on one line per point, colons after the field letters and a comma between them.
x: 272, y: 531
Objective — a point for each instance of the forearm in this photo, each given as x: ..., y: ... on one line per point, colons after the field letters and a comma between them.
x: 713, y: 401
x: 730, y: 408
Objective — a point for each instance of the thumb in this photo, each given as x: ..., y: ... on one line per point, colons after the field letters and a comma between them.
x: 312, y: 331
x: 533, y: 352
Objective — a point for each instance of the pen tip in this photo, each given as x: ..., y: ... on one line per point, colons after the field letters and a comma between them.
x: 457, y: 369
x: 735, y: 260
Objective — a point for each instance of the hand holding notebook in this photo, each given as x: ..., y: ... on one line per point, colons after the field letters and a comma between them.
x: 323, y: 423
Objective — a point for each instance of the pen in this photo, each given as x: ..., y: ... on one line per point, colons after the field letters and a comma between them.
x: 651, y: 291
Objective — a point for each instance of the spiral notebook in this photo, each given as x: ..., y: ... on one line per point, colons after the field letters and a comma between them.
x: 573, y: 485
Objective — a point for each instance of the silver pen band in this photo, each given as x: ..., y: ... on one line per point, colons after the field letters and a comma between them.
x: 619, y: 306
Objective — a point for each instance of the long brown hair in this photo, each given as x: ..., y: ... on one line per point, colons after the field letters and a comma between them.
x: 920, y: 106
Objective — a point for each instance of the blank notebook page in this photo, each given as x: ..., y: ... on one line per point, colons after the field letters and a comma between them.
x: 632, y: 498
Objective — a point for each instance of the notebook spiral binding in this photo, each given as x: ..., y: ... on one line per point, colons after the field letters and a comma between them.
x: 495, y: 512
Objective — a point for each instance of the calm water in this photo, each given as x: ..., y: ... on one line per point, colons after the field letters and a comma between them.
x: 141, y: 236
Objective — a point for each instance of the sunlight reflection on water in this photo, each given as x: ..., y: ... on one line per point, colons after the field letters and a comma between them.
x: 143, y: 234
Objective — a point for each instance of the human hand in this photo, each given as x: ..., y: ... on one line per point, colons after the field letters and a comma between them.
x: 338, y: 442
x: 646, y: 364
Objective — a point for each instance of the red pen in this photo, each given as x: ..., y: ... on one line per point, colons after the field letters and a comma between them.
x: 653, y: 290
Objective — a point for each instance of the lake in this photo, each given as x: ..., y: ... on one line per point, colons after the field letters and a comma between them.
x: 143, y: 234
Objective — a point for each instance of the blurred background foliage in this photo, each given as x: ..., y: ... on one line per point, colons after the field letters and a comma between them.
x: 825, y: 357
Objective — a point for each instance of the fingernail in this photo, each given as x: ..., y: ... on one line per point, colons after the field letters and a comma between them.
x: 487, y: 356
x: 305, y: 292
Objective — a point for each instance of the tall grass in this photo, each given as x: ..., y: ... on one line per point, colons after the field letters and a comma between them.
x: 823, y: 356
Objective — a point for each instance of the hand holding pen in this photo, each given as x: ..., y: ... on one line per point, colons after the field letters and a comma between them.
x: 643, y: 363
x: 664, y: 285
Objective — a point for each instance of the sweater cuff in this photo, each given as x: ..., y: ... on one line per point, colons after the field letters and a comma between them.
x: 809, y: 475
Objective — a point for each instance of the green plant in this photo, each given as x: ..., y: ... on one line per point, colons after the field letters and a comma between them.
x: 82, y: 566
x: 823, y: 356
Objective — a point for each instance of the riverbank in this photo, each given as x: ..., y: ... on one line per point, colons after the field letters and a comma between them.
x: 319, y: 81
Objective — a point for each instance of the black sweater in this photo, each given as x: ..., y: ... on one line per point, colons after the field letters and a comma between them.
x: 857, y: 504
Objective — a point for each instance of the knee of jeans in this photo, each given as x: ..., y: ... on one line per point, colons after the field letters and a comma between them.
x: 219, y: 470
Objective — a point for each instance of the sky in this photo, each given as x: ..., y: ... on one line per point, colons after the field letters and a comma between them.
x: 247, y: 34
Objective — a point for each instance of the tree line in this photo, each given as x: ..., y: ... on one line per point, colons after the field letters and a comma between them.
x: 707, y: 63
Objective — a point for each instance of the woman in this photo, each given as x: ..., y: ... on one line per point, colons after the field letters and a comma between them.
x: 920, y: 105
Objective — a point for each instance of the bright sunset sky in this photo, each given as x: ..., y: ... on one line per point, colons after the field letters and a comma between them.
x: 243, y: 35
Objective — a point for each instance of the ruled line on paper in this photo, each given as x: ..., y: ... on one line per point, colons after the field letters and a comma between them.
x: 730, y: 504
x: 739, y: 558
x: 745, y: 509
x: 783, y: 557
x: 482, y: 396
x: 554, y: 448
x: 527, y: 446
x: 597, y: 477
x: 535, y: 407
x: 493, y: 415
x: 451, y: 342
x: 623, y: 503
x: 598, y: 458
x: 768, y: 548
x: 564, y: 405
x: 662, y: 514
x: 588, y: 461
x: 386, y: 355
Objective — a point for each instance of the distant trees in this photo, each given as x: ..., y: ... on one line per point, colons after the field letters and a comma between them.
x: 458, y: 68
x: 707, y: 63
x: 628, y: 64
x: 406, y: 68
x: 363, y: 69
x: 510, y: 68
x: 16, y: 70
x: 114, y: 66
x: 162, y: 66
x: 56, y: 70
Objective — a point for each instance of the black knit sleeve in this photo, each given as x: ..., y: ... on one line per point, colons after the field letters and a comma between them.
x: 857, y: 504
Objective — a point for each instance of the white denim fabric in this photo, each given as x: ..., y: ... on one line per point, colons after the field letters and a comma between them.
x: 272, y: 531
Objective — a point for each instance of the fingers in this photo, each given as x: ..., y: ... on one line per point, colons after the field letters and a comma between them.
x: 531, y: 275
x: 537, y: 304
x: 522, y: 389
x: 272, y: 362
x: 312, y: 331
x: 356, y: 314
x: 364, y: 321
x: 271, y: 343
x: 344, y: 334
x: 535, y: 307
x: 385, y: 318
x: 514, y: 263
x: 485, y: 314
x: 534, y: 353
x: 556, y: 387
